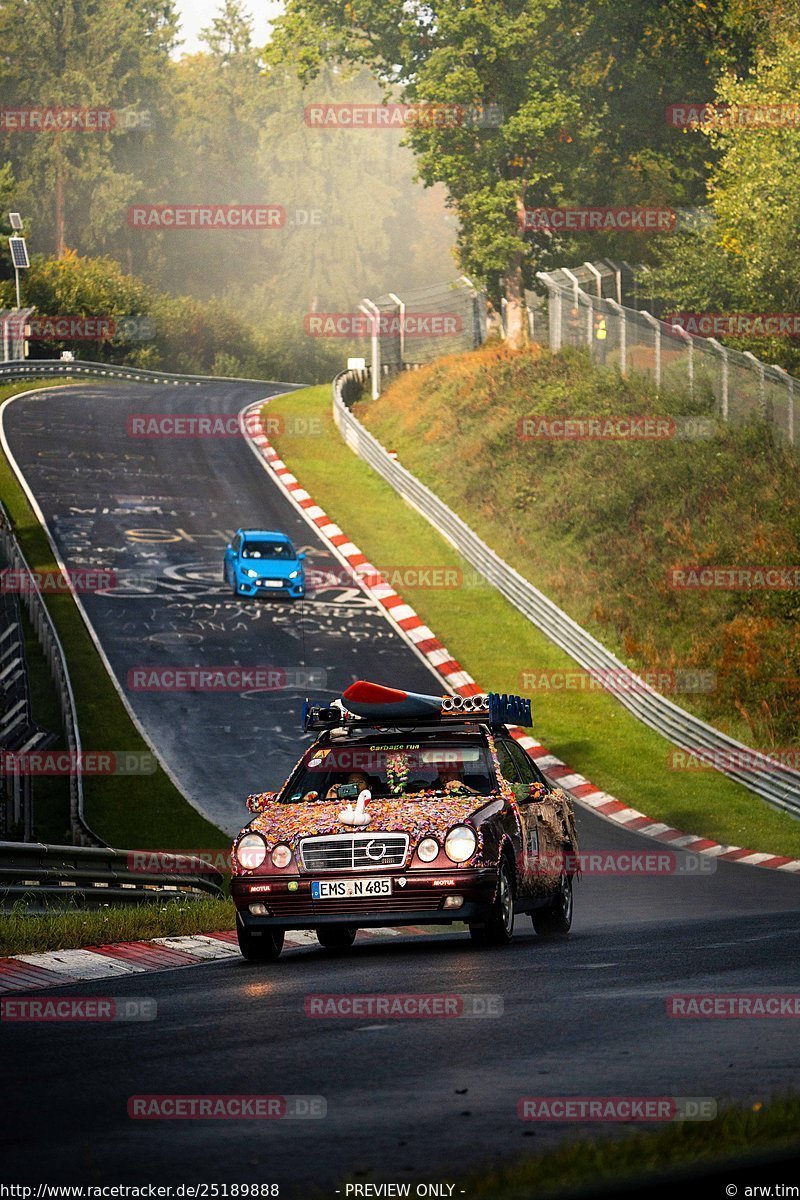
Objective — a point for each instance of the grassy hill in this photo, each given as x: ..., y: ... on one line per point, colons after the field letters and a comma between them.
x: 599, y: 525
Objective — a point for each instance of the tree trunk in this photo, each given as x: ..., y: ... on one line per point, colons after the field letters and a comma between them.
x: 59, y: 204
x: 514, y: 292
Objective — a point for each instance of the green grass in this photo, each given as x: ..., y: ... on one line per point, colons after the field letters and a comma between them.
x: 597, y: 525
x: 26, y: 933
x: 737, y: 1134
x: 588, y: 730
x: 136, y: 811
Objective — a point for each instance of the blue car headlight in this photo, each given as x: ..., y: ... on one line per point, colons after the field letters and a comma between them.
x: 250, y: 573
x: 294, y: 574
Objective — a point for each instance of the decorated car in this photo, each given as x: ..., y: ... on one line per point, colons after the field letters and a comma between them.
x: 406, y: 810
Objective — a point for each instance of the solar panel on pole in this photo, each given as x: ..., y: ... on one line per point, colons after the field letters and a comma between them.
x: 19, y: 252
x: 16, y: 222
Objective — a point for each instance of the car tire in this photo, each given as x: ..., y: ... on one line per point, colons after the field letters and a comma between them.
x: 263, y: 945
x: 555, y: 920
x: 499, y: 928
x: 336, y: 938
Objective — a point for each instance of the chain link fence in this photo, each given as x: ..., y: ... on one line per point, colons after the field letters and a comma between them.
x: 423, y: 324
x: 618, y: 333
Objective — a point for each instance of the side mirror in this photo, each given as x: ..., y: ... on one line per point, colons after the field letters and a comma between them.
x: 301, y: 555
x: 259, y: 801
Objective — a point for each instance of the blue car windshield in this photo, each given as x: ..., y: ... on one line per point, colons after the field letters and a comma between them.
x: 284, y: 550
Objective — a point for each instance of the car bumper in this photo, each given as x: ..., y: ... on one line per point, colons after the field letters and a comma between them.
x: 257, y: 587
x: 420, y: 900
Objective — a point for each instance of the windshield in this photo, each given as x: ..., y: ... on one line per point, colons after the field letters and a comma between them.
x: 268, y: 550
x: 407, y: 770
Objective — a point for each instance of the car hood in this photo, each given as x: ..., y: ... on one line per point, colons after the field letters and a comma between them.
x: 418, y: 818
x: 270, y: 568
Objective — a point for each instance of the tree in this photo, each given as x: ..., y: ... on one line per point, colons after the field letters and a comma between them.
x: 748, y: 257
x: 475, y: 59
x: 78, y: 54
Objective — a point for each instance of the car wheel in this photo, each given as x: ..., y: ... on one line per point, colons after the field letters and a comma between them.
x: 336, y: 937
x: 259, y: 945
x: 499, y: 929
x: 556, y: 918
x: 234, y: 586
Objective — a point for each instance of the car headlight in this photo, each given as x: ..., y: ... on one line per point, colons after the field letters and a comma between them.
x: 460, y: 843
x: 428, y: 849
x: 294, y: 574
x: 281, y: 856
x: 251, y: 851
x: 250, y: 573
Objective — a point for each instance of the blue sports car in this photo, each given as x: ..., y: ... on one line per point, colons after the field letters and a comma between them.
x: 261, y: 562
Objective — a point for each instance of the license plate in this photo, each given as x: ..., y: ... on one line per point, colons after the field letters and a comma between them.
x: 273, y: 583
x: 345, y: 889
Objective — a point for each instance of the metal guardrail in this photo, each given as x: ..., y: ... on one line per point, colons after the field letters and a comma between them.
x: 24, y: 368
x: 779, y: 785
x: 42, y: 877
x: 54, y: 654
x: 19, y: 732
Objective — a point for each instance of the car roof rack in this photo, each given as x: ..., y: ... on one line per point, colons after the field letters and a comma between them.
x: 377, y: 706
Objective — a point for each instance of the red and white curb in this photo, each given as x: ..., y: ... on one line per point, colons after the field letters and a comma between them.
x: 58, y: 968
x: 428, y: 647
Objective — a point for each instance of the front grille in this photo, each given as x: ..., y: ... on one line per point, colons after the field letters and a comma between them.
x: 296, y: 907
x: 354, y: 851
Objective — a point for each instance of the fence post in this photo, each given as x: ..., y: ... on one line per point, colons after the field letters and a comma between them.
x: 689, y: 340
x: 724, y: 375
x: 623, y: 335
x: 554, y: 297
x: 375, y: 316
x: 402, y: 309
x: 788, y: 380
x: 656, y: 327
x: 762, y: 396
